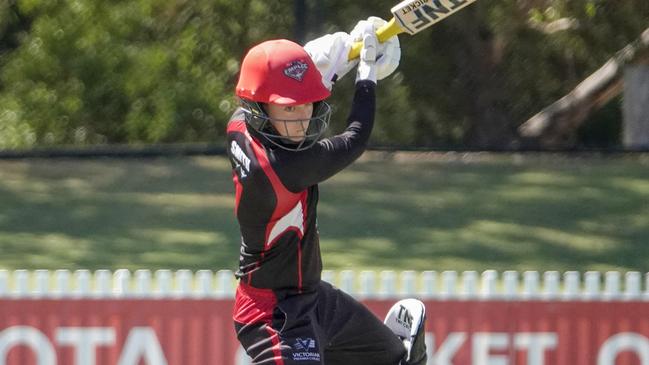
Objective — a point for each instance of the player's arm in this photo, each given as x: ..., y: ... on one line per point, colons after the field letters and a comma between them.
x: 330, y: 155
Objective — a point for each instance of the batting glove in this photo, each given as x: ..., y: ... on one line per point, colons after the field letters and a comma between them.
x: 367, y: 66
x: 329, y: 53
x: 389, y: 52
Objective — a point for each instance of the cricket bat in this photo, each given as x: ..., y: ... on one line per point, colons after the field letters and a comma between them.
x: 413, y: 16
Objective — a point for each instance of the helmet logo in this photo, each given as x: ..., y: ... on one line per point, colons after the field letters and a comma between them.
x: 296, y: 70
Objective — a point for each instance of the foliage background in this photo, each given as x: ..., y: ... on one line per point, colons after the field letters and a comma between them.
x: 151, y: 71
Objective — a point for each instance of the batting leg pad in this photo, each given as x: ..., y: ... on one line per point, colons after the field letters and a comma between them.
x: 407, y: 319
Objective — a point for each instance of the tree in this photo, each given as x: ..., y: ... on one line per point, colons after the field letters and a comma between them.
x: 636, y: 106
x: 556, y: 124
x: 150, y: 71
x: 474, y: 78
x: 114, y: 72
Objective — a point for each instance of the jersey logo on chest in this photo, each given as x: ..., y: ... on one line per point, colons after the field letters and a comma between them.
x: 291, y: 221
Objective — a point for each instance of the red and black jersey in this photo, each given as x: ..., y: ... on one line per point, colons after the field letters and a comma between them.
x: 277, y: 197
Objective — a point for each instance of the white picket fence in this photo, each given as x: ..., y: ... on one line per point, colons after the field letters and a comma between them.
x: 206, y: 284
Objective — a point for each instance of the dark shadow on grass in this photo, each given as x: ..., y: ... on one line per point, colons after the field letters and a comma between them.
x: 112, y: 214
x: 404, y: 204
x: 177, y: 213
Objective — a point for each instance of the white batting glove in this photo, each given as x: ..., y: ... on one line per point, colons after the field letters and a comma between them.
x: 329, y: 53
x: 389, y: 52
x: 367, y: 66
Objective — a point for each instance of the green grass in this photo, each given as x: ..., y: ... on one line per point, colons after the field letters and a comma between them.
x: 421, y: 212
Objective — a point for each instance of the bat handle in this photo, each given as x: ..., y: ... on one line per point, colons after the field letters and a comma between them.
x: 387, y: 31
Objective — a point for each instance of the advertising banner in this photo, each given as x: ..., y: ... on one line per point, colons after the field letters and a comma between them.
x: 200, y: 332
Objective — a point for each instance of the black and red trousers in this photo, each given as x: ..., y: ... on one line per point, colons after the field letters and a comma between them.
x: 321, y: 326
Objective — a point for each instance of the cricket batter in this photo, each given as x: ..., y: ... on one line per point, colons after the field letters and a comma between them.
x: 284, y: 313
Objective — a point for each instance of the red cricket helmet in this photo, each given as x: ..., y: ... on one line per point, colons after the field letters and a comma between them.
x: 280, y: 72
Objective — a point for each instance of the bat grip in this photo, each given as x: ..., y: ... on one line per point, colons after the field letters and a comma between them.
x: 387, y: 31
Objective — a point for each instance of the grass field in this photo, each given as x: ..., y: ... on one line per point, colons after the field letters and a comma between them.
x: 396, y: 211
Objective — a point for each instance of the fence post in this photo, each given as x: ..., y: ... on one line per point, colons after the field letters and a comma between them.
x: 143, y: 283
x: 489, y: 278
x: 205, y: 279
x: 184, y: 285
x: 388, y: 283
x: 163, y: 283
x: 103, y: 284
x: 42, y: 283
x: 510, y: 282
x: 225, y: 287
x: 551, y: 281
x: 21, y: 282
x: 531, y: 285
x: 632, y: 285
x: 592, y: 281
x: 347, y: 278
x: 82, y: 277
x: 408, y: 283
x: 429, y: 284
x: 612, y: 285
x: 571, y: 285
x: 469, y: 284
x: 62, y: 286
x: 449, y: 284
x: 368, y: 279
x: 4, y: 283
x: 329, y: 276
x: 122, y: 279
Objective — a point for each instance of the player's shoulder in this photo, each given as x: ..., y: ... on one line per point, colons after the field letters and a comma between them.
x: 237, y: 122
x: 242, y: 149
x: 238, y: 136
